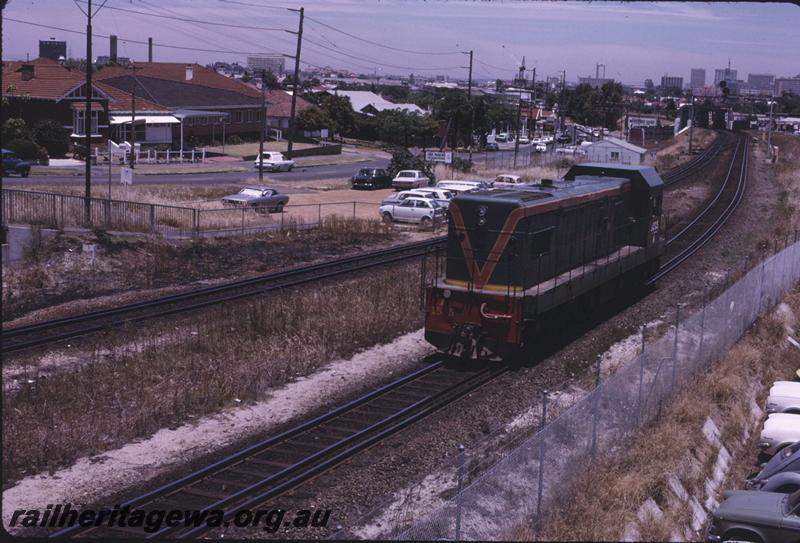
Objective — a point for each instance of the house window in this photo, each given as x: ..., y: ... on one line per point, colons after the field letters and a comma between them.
x: 615, y: 155
x: 236, y: 117
x: 79, y: 124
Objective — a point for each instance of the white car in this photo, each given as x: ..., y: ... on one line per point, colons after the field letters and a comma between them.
x: 410, y: 179
x: 523, y: 140
x: 508, y: 181
x: 501, y: 138
x: 274, y: 162
x: 780, y: 430
x: 413, y: 209
x: 540, y: 148
x: 442, y: 196
x: 398, y: 197
x: 784, y: 397
x: 457, y: 186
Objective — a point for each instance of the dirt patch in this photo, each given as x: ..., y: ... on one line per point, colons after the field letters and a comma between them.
x: 675, y: 151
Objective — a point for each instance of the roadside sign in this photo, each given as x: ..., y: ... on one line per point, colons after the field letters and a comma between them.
x: 126, y: 176
x: 439, y: 156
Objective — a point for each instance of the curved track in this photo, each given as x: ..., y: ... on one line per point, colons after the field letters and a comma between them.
x: 723, y: 141
x: 707, y: 223
x: 24, y: 337
x: 250, y: 477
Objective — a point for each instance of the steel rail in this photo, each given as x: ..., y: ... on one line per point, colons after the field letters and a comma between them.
x: 24, y: 337
x: 708, y: 233
x: 684, y: 171
x: 425, y: 399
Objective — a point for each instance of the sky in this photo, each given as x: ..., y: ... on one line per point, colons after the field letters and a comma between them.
x: 634, y: 40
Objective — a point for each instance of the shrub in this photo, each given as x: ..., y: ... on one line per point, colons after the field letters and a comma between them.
x: 25, y: 149
x: 44, y: 157
x: 15, y: 129
x: 50, y: 134
x: 234, y: 140
x: 462, y: 164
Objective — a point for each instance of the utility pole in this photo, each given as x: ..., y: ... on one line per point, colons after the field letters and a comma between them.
x: 263, y: 126
x: 133, y: 116
x: 296, y: 78
x: 471, y: 107
x: 516, y: 140
x: 87, y: 118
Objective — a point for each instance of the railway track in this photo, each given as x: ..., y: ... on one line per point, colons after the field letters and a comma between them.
x: 714, y: 215
x: 25, y: 337
x: 271, y: 468
x: 698, y: 163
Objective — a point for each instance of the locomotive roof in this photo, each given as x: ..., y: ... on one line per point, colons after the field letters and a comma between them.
x: 647, y: 174
x: 533, y: 194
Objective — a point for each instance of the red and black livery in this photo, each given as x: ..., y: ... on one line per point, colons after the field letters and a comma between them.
x: 520, y: 261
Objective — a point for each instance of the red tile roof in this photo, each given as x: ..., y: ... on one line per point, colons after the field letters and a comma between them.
x: 50, y: 80
x: 119, y: 100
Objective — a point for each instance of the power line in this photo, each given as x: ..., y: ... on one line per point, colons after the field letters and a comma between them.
x: 441, y: 68
x: 380, y: 44
x: 491, y: 65
x: 163, y: 45
x: 270, y: 6
x: 198, y: 21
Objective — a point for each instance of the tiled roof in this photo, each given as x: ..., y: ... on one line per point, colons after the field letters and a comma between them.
x: 120, y: 101
x: 50, y: 79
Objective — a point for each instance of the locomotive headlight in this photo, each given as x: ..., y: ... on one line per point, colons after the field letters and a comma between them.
x: 446, y: 293
x: 482, y: 212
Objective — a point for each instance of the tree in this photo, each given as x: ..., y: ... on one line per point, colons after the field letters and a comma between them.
x: 313, y: 119
x: 499, y: 85
x: 16, y: 128
x: 403, y: 128
x: 788, y: 103
x: 52, y: 136
x: 340, y: 111
x: 402, y: 159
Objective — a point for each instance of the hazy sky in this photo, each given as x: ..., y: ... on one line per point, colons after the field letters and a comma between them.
x: 635, y: 40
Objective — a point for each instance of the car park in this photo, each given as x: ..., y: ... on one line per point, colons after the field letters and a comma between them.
x: 784, y: 397
x: 781, y: 473
x: 12, y: 164
x: 413, y: 209
x: 753, y: 515
x: 260, y: 198
x: 491, y: 147
x: 371, y: 178
x: 780, y: 430
x: 410, y: 179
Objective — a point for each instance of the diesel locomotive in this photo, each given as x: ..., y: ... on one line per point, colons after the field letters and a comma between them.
x: 521, y: 263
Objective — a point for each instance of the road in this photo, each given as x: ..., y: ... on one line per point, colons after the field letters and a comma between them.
x: 310, y: 173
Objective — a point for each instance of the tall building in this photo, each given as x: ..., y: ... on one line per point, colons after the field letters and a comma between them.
x: 671, y: 82
x: 52, y: 49
x: 273, y: 63
x: 760, y: 81
x: 787, y: 84
x: 724, y: 74
x: 698, y: 78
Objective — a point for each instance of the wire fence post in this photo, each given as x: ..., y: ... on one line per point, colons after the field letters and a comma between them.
x: 675, y: 346
x: 319, y: 216
x: 541, y: 462
x: 595, y: 405
x: 459, y: 495
x: 354, y: 209
x: 641, y: 377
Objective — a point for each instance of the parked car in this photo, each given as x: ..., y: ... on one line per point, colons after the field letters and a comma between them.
x: 501, y: 138
x: 413, y: 209
x: 371, y: 178
x: 564, y: 138
x: 780, y: 474
x: 507, y: 181
x: 780, y: 430
x: 260, y: 198
x: 523, y: 140
x: 540, y: 147
x: 410, y: 179
x: 753, y: 515
x: 12, y: 164
x: 273, y: 162
x: 568, y: 150
x: 784, y: 397
x: 442, y: 196
x: 398, y: 197
x: 463, y: 186
x: 491, y: 147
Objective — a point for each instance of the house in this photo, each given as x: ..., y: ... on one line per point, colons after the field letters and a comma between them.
x: 614, y: 150
x: 203, y: 100
x: 369, y: 103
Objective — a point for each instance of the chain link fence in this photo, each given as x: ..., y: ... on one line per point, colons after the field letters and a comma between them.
x: 539, y: 474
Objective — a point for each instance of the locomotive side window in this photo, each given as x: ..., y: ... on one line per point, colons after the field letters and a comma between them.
x: 541, y: 241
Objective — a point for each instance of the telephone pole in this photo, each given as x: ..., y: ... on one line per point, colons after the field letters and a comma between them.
x: 87, y: 118
x: 296, y: 78
x: 263, y: 126
x: 471, y: 107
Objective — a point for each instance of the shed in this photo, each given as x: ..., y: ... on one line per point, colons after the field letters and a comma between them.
x: 614, y: 150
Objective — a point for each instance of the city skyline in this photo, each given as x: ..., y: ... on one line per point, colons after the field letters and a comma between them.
x: 550, y: 36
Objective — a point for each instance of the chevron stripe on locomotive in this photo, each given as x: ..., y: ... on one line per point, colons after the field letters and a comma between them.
x: 522, y: 263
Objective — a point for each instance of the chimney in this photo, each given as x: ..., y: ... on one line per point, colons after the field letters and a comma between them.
x: 27, y: 72
x: 149, y: 49
x: 189, y: 72
x: 113, y: 48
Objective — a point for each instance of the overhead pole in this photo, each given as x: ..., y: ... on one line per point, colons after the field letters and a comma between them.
x: 296, y: 78
x: 471, y: 106
x: 87, y: 118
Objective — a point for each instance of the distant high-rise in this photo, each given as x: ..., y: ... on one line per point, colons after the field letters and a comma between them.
x: 724, y: 74
x: 671, y: 82
x: 52, y: 49
x: 787, y: 84
x: 698, y: 78
x: 760, y: 81
x: 272, y: 63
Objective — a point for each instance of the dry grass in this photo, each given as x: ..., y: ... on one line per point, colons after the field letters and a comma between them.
x: 247, y: 149
x: 677, y: 151
x: 171, y: 373
x: 629, y: 478
x: 787, y: 176
x: 56, y: 270
x: 529, y: 174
